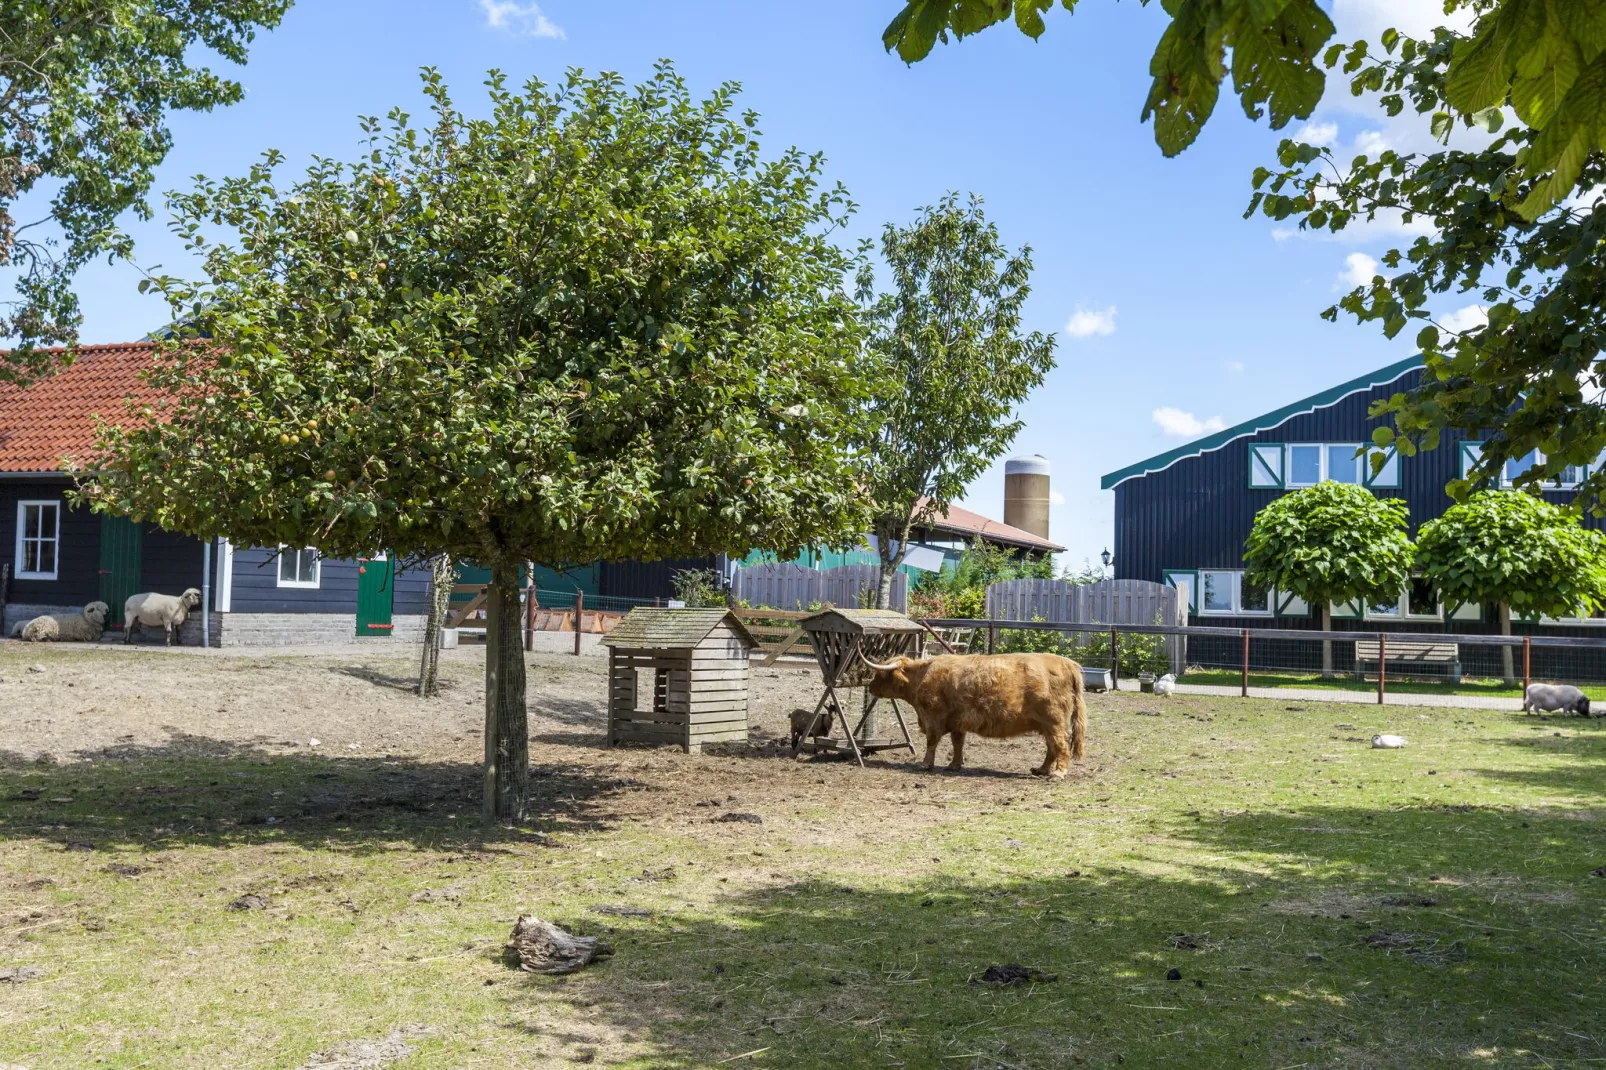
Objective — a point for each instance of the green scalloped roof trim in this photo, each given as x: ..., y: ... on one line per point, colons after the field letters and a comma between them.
x: 1266, y: 422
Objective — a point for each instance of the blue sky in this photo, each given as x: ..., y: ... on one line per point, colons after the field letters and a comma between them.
x: 1176, y: 316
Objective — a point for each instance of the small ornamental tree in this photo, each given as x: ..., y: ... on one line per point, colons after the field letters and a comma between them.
x: 1514, y: 550
x: 1334, y: 542
x: 595, y: 324
x: 950, y: 363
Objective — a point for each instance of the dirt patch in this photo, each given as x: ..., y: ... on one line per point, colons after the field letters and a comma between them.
x: 366, y: 1054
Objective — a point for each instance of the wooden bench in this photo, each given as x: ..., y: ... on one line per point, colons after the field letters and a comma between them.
x: 1411, y: 654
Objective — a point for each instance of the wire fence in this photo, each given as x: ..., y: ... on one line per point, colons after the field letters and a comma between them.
x: 1405, y: 668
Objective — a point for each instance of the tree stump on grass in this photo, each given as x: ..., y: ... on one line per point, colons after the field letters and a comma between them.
x: 541, y: 947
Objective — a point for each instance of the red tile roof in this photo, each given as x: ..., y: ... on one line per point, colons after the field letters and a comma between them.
x: 963, y: 522
x: 54, y: 419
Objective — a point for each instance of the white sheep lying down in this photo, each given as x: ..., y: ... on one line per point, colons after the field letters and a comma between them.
x: 84, y: 626
x: 165, y: 611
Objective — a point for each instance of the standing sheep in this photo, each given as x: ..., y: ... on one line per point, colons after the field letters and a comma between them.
x: 159, y: 610
x: 83, y: 627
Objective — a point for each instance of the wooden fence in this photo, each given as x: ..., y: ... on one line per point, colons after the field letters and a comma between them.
x: 793, y: 587
x: 1136, y: 602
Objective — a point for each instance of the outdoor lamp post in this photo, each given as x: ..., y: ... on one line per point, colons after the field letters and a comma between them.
x: 1107, y: 557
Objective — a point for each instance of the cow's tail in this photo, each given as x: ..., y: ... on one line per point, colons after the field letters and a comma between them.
x: 1078, y: 713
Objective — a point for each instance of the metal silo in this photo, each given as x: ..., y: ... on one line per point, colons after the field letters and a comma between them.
x: 1026, y: 494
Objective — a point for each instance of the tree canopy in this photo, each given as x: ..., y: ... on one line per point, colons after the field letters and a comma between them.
x: 85, y: 88
x: 1331, y: 543
x: 948, y: 363
x: 1514, y: 549
x: 597, y: 323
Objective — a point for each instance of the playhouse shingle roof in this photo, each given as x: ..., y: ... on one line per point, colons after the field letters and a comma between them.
x: 672, y: 629
x: 55, y: 418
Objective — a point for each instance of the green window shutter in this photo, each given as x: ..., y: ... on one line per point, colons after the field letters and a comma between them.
x: 1186, y: 581
x: 1385, y: 478
x: 1266, y: 466
x: 1470, y: 453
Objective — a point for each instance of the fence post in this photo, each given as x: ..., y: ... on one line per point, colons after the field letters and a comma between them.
x: 992, y: 636
x: 1115, y: 659
x: 1527, y: 664
x: 1244, y: 691
x: 1382, y: 664
x: 529, y: 614
x: 579, y: 611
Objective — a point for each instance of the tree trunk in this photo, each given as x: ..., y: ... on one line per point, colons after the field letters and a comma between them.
x: 1327, y: 644
x: 883, y: 595
x: 1506, y: 667
x: 507, y: 732
x: 442, y: 574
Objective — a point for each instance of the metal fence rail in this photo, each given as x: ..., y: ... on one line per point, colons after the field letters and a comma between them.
x: 1381, y: 666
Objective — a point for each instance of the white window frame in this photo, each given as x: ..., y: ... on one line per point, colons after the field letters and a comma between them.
x: 1403, y: 610
x: 1469, y: 452
x: 1234, y: 585
x: 54, y: 539
x: 287, y: 552
x: 1324, y: 472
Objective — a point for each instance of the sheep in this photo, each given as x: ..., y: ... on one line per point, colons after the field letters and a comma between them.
x: 1549, y: 698
x: 85, y: 626
x: 166, y: 610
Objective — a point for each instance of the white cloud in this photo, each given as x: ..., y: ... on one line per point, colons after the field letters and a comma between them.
x: 1056, y: 498
x: 1234, y: 366
x: 1371, y: 144
x: 525, y: 19
x: 1087, y: 322
x: 1465, y: 319
x: 1414, y: 18
x: 1181, y: 424
x: 1318, y: 133
x: 1358, y: 270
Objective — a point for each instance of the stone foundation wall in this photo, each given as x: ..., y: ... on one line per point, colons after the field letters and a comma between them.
x: 306, y: 629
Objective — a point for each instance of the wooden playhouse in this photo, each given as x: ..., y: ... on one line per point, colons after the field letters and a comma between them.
x: 678, y: 676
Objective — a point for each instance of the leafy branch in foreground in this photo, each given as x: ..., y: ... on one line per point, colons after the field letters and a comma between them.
x: 85, y: 88
x: 1527, y: 380
x: 1545, y: 58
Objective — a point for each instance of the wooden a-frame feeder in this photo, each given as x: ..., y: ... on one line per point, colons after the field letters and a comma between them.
x: 842, y: 640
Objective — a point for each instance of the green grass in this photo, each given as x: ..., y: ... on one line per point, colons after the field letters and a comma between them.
x: 1347, y: 682
x: 1252, y: 847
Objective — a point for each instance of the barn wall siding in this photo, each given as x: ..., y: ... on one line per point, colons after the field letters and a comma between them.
x: 257, y: 590
x: 170, y: 563
x: 78, y: 570
x: 1197, y: 514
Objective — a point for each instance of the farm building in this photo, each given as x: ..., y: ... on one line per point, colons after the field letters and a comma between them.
x: 64, y: 556
x: 1182, y: 517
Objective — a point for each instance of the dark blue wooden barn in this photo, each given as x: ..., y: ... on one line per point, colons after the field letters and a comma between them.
x: 1182, y: 517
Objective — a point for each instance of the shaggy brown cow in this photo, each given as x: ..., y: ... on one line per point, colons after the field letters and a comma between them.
x: 993, y: 695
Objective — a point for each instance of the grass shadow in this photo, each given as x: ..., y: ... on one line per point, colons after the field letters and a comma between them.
x: 197, y: 790
x: 1379, y: 938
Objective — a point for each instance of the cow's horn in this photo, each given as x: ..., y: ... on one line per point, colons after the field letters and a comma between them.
x: 888, y: 667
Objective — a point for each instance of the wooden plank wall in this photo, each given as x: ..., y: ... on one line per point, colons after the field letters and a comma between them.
x: 793, y: 587
x: 696, y: 696
x: 1136, y: 602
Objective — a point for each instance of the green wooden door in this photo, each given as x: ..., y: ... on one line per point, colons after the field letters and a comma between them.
x: 122, y: 544
x: 376, y: 593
